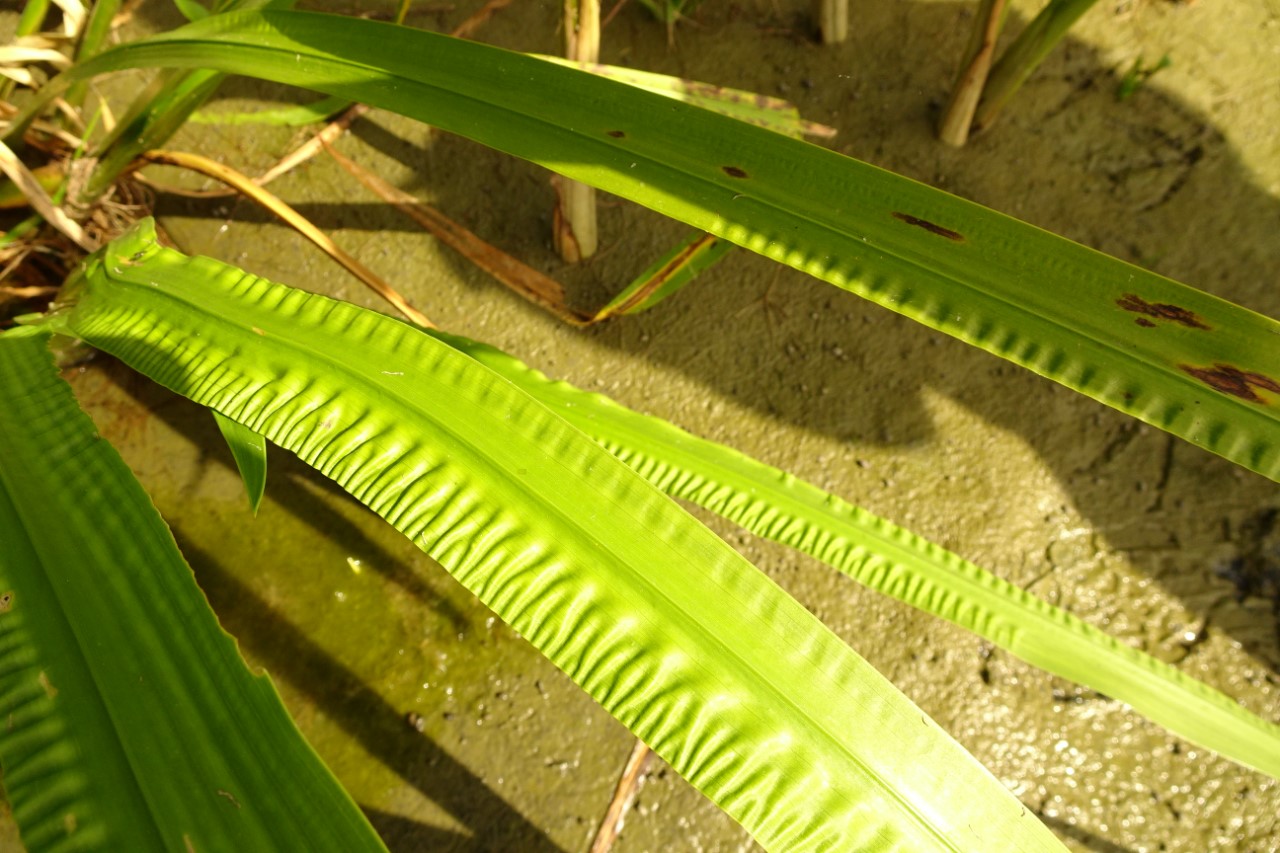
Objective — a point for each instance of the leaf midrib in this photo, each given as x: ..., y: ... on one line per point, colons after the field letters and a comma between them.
x: 690, y: 622
x: 717, y: 223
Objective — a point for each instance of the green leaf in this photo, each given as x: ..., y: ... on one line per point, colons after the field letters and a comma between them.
x: 294, y: 116
x: 762, y: 110
x: 896, y: 562
x: 1179, y: 359
x: 1021, y: 58
x: 192, y: 10
x: 249, y: 449
x: 131, y: 722
x: 667, y: 275
x: 153, y: 117
x: 727, y: 677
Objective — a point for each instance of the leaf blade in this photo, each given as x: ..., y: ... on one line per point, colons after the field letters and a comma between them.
x: 889, y: 559
x: 135, y: 724
x: 1177, y: 358
x: 666, y: 276
x: 249, y: 450
x: 754, y: 702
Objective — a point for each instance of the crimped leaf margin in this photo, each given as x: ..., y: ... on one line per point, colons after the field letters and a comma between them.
x: 724, y: 675
x: 889, y: 559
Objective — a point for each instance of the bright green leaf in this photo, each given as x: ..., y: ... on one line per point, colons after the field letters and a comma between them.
x: 894, y: 561
x: 131, y: 722
x: 727, y: 677
x: 1175, y: 357
x: 192, y: 10
x: 249, y: 449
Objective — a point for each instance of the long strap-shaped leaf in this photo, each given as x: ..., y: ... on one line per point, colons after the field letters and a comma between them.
x: 130, y: 721
x: 727, y: 677
x: 889, y: 559
x: 1173, y: 356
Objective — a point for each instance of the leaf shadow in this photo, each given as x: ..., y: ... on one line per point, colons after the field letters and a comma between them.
x: 290, y: 655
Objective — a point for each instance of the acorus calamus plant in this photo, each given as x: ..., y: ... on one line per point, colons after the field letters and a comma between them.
x: 485, y: 465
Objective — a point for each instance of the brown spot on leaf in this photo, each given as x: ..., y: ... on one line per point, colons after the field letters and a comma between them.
x: 734, y: 172
x: 6, y: 602
x: 1161, y: 311
x: 1144, y: 322
x: 1234, y: 381
x: 617, y: 134
x: 931, y: 227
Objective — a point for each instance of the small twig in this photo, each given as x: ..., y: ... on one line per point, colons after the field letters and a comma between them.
x: 476, y: 20
x: 40, y: 201
x: 304, y: 152
x: 30, y: 292
x: 294, y: 219
x: 622, y: 796
x: 63, y: 136
x: 516, y: 275
x: 613, y: 13
x: 315, y: 144
x: 125, y: 15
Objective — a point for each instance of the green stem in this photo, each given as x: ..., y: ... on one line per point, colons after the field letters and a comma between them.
x: 20, y: 230
x: 91, y: 41
x: 1026, y: 54
x: 33, y: 15
x: 153, y: 118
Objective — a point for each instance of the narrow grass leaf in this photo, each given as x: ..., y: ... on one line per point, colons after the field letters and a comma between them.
x: 1179, y: 359
x: 294, y: 116
x: 894, y: 561
x: 249, y: 450
x: 131, y: 722
x: 727, y: 677
x: 667, y: 275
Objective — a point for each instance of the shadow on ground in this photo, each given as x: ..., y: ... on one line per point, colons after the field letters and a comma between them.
x: 1147, y: 179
